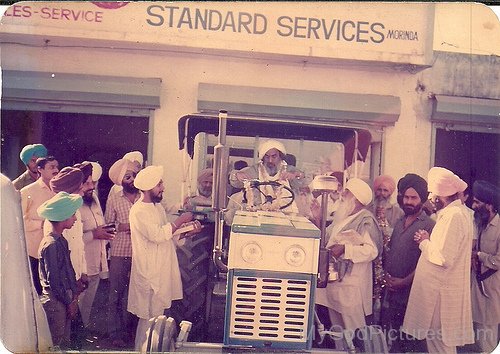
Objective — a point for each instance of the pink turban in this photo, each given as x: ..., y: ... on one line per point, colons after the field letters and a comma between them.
x: 444, y: 183
x: 387, y: 181
x: 118, y: 170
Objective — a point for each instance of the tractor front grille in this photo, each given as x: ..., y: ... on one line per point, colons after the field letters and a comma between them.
x: 270, y: 309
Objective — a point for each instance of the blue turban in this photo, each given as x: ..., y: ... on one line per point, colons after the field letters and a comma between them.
x: 60, y: 207
x: 487, y: 193
x: 32, y: 150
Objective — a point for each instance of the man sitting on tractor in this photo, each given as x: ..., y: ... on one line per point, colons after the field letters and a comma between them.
x: 271, y: 168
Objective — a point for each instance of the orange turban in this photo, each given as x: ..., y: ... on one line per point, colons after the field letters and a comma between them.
x: 387, y: 181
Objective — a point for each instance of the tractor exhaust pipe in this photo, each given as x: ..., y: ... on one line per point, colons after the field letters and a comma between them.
x: 219, y: 192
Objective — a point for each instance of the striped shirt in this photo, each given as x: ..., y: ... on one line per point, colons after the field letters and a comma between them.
x: 117, y: 210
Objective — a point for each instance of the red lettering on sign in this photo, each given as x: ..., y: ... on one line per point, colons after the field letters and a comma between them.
x: 66, y: 14
x: 45, y: 12
x: 18, y: 11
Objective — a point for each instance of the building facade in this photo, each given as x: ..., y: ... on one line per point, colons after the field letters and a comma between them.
x: 94, y: 80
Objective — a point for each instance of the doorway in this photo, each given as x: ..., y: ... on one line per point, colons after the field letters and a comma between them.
x: 72, y: 138
x: 470, y: 155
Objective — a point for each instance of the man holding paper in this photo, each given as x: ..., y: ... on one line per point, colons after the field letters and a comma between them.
x: 354, y: 241
x: 155, y: 279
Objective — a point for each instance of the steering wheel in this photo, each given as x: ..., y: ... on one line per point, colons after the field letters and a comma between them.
x: 269, y: 198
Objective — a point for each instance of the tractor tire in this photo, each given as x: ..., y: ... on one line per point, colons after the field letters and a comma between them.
x: 161, y: 335
x: 197, y: 271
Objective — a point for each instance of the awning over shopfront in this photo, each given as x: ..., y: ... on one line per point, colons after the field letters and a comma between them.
x: 344, y: 108
x: 76, y: 93
x: 466, y: 111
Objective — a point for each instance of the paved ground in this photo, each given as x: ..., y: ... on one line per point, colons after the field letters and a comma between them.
x: 96, y: 336
x: 97, y: 341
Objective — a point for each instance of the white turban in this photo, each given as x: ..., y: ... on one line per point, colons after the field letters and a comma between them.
x: 134, y: 156
x: 270, y: 144
x: 118, y: 170
x: 444, y: 183
x: 148, y: 178
x: 360, y: 189
x: 96, y: 171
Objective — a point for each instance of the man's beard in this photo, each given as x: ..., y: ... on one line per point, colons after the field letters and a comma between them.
x: 346, y: 207
x: 88, y: 198
x: 411, y: 210
x: 157, y: 198
x: 271, y: 169
x: 206, y: 192
x: 129, y: 188
x: 381, y: 201
x: 481, y: 216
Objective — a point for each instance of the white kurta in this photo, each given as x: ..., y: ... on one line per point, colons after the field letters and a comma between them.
x: 442, y: 280
x: 95, y: 250
x: 155, y: 279
x: 352, y: 297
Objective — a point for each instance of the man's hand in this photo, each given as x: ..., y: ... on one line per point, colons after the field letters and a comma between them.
x: 286, y: 175
x: 122, y: 226
x: 82, y: 284
x: 72, y: 309
x: 421, y: 235
x: 102, y: 233
x: 183, y: 218
x: 393, y: 283
x: 241, y: 176
x: 337, y: 250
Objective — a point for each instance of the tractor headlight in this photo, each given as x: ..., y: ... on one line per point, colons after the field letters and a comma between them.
x: 295, y: 255
x: 251, y: 252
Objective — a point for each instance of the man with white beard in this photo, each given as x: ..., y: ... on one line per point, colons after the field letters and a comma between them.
x: 354, y: 240
x: 271, y: 167
x: 203, y: 195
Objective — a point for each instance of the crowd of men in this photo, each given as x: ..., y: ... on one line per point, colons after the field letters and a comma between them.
x: 67, y: 235
x: 424, y: 268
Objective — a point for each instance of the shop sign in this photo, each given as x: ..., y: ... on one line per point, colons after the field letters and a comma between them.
x: 397, y: 32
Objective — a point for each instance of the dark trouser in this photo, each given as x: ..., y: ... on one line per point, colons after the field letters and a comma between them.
x: 392, y: 319
x: 121, y: 322
x: 34, y: 272
x: 59, y: 322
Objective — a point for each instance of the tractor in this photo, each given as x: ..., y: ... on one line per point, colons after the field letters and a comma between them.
x: 249, y: 283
